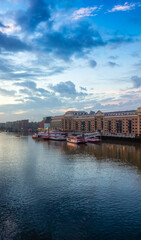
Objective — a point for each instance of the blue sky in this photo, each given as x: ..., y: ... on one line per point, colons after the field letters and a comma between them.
x: 65, y: 55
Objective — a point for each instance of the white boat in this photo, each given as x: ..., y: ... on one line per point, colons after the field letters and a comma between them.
x: 57, y: 136
x: 50, y: 135
x: 76, y: 139
x: 41, y: 135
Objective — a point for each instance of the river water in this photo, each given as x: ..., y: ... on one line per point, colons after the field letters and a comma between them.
x: 60, y: 191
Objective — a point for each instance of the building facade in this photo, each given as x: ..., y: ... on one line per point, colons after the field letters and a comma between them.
x: 108, y: 123
x: 56, y: 123
x: 17, y: 126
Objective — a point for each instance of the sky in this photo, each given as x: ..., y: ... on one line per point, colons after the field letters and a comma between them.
x: 61, y: 55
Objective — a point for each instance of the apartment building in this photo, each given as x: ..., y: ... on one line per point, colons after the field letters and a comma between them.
x: 121, y: 122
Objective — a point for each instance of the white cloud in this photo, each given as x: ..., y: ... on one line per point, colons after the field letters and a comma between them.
x: 126, y: 7
x: 10, y: 28
x: 85, y: 12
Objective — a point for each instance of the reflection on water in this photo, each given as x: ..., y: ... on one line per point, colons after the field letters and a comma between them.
x: 62, y: 191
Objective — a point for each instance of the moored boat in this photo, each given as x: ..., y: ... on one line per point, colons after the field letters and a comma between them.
x: 35, y: 136
x: 45, y: 137
x: 76, y: 140
x: 50, y: 135
x: 93, y: 139
x: 57, y: 136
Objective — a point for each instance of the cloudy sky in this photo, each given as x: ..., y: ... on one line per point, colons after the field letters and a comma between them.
x: 59, y: 55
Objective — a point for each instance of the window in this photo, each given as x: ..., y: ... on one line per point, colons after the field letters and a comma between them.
x: 89, y: 126
x: 76, y: 126
x: 129, y: 126
x: 69, y: 124
x: 109, y: 126
x: 82, y: 126
x: 95, y: 124
x: 65, y: 124
x: 119, y: 126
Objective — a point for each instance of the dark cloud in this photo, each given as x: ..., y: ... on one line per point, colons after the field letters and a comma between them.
x: 12, y: 43
x: 66, y: 89
x: 136, y: 81
x: 36, y: 13
x: 92, y: 63
x: 30, y: 85
x: 3, y: 26
x: 27, y: 84
x: 71, y: 41
x: 112, y: 64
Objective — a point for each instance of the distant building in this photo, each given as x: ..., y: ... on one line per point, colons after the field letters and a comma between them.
x: 2, y: 126
x: 57, y: 123
x: 21, y: 126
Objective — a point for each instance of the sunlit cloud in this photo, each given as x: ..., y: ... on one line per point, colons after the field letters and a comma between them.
x: 89, y: 107
x: 19, y: 112
x: 111, y: 103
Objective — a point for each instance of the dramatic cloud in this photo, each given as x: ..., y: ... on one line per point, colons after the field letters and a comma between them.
x: 37, y: 12
x: 30, y: 85
x: 136, y: 81
x: 12, y: 44
x: 45, y: 43
x: 69, y: 41
x: 66, y: 89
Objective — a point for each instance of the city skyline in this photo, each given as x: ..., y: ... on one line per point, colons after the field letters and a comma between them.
x: 58, y: 56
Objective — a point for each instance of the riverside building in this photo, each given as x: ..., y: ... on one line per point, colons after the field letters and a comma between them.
x: 108, y: 123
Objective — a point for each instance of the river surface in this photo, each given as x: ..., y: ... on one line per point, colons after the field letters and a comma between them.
x: 60, y: 191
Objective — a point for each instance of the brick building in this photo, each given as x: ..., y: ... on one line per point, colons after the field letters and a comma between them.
x: 121, y: 122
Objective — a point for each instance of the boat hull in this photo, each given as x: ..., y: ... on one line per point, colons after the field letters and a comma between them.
x: 57, y: 139
x: 75, y: 140
x: 93, y: 140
